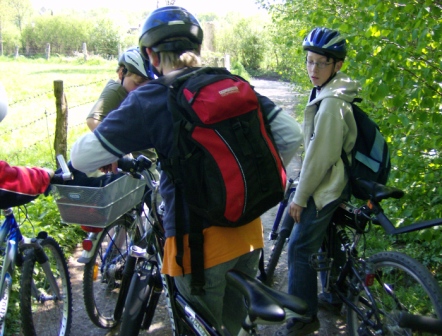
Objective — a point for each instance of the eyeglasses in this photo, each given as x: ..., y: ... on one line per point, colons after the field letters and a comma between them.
x: 319, y: 65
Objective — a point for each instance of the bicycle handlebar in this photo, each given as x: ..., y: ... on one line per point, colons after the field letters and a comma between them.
x: 134, y: 166
x: 66, y: 173
x: 60, y: 178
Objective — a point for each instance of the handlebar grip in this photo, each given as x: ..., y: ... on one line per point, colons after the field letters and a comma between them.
x: 60, y: 178
x: 134, y: 165
x: 144, y: 162
x: 128, y: 165
x: 62, y: 163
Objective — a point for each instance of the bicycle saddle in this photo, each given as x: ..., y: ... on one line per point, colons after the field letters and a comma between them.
x: 378, y: 191
x: 264, y: 302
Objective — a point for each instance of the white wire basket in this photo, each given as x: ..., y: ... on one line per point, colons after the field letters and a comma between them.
x: 98, y: 206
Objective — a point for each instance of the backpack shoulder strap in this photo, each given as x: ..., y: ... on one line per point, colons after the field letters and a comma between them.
x: 343, y: 154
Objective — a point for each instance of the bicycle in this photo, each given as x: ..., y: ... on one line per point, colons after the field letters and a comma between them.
x: 374, y: 290
x: 113, y: 218
x: 265, y: 305
x: 45, y: 287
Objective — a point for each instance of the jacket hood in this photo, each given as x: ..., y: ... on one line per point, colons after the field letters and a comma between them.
x: 340, y: 86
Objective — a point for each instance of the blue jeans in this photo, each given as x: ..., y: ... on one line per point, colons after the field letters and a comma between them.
x: 306, y: 239
x: 222, y: 305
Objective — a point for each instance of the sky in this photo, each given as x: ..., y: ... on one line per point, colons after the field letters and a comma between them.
x: 194, y: 6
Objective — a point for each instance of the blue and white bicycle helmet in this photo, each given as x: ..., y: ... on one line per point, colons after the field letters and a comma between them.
x: 326, y: 42
x: 132, y: 61
x: 166, y: 24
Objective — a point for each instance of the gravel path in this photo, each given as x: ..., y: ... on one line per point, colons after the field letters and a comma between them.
x: 282, y: 94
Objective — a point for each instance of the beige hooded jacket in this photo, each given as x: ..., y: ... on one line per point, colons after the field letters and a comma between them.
x: 329, y: 127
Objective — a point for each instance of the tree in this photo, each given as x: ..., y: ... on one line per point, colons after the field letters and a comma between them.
x: 243, y: 38
x: 21, y: 11
x: 65, y: 34
x: 5, y: 23
x: 105, y: 37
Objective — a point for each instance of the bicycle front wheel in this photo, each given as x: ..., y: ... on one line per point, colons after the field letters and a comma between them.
x: 104, y: 272
x: 401, y: 284
x: 139, y: 295
x: 278, y: 247
x: 42, y: 311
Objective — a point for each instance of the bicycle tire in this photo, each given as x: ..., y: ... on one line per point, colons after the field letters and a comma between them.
x: 413, y: 286
x: 46, y: 317
x: 102, y: 278
x: 277, y: 248
x: 140, y: 291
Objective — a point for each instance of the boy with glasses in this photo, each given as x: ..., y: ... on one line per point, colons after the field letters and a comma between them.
x: 329, y: 127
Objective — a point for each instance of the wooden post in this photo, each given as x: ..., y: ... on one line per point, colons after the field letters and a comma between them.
x: 61, y: 125
x: 85, y: 51
x: 48, y: 51
x: 227, y: 61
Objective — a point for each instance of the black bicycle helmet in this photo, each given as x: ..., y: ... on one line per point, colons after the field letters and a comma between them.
x: 132, y: 61
x: 326, y: 42
x: 170, y: 22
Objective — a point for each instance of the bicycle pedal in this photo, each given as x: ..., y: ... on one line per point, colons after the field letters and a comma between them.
x: 320, y: 262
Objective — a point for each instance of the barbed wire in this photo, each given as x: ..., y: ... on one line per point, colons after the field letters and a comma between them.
x: 30, y: 97
x: 52, y: 91
x: 49, y: 136
x: 45, y: 115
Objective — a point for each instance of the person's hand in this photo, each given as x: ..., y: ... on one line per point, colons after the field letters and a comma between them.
x: 110, y: 168
x: 50, y: 172
x: 295, y: 211
x: 51, y: 175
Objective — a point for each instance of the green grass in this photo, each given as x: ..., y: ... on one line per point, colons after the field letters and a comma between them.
x: 28, y: 130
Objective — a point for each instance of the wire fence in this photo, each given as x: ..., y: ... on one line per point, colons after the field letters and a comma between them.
x: 32, y: 122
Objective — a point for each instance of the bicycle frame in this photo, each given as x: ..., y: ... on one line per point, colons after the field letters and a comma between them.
x: 291, y: 187
x: 10, y: 237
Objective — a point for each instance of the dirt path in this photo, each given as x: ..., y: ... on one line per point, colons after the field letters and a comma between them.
x: 280, y: 93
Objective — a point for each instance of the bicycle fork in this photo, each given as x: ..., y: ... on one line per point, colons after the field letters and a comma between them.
x: 42, y: 259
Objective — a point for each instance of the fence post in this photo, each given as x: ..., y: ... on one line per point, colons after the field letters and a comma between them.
x: 227, y: 61
x: 61, y: 125
x: 84, y: 51
x: 48, y: 51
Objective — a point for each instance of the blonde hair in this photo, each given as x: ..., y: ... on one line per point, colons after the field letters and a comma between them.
x: 174, y: 60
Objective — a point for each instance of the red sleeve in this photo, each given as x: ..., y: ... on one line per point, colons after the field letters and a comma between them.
x: 19, y: 185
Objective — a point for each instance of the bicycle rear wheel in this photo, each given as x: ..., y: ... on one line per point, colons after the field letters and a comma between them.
x: 401, y: 284
x: 41, y: 311
x: 104, y: 272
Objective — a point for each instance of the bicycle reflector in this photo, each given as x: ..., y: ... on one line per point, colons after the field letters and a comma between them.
x: 91, y: 228
x: 369, y: 274
x: 87, y: 245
